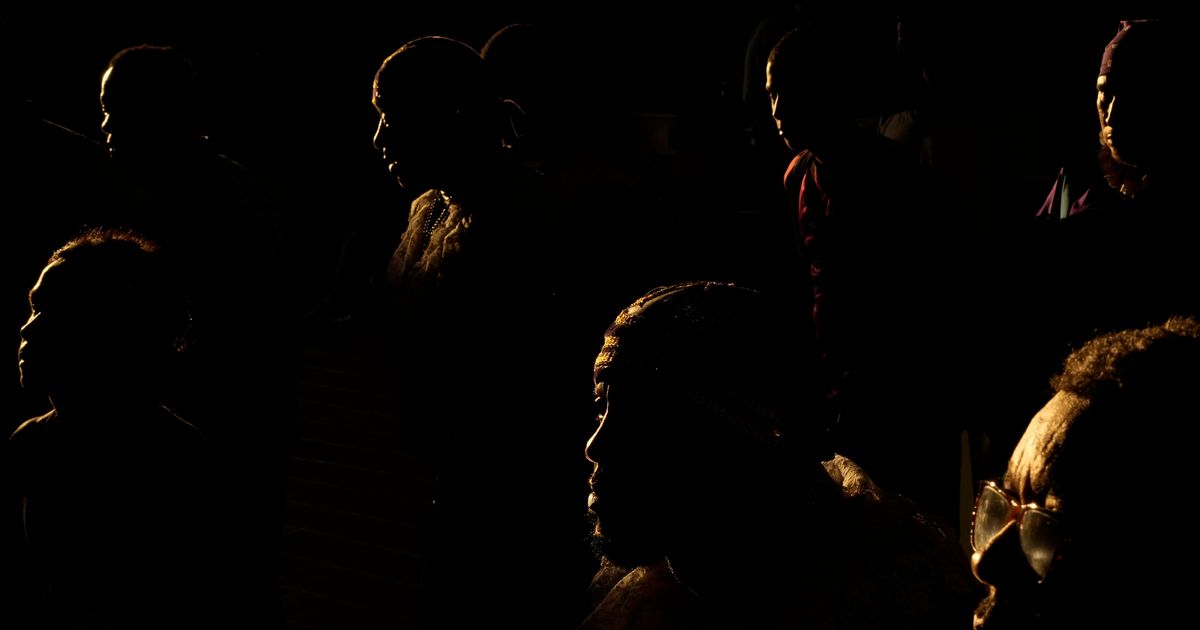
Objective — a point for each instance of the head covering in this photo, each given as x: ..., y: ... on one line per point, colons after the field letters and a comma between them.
x: 728, y: 349
x: 1138, y: 44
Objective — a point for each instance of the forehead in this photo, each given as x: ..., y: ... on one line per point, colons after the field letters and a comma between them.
x: 52, y: 270
x: 1031, y: 467
x: 772, y: 72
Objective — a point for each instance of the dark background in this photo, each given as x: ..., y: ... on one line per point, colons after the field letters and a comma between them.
x: 289, y: 86
x: 289, y: 92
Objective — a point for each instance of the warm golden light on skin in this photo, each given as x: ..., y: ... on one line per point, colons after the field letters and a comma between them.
x: 772, y: 95
x: 104, y: 81
x: 1031, y: 466
x: 103, y: 85
x: 1104, y: 106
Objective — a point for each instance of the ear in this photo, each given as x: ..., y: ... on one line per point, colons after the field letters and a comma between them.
x: 514, y: 117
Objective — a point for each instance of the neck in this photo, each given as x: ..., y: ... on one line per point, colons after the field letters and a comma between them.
x: 78, y: 407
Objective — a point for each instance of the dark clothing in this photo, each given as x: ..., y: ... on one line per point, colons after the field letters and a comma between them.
x: 883, y: 300
x: 117, y: 518
x: 1109, y: 264
x: 239, y: 379
x: 493, y: 386
x: 879, y: 563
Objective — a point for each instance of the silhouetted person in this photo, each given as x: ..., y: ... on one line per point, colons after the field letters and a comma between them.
x: 479, y: 325
x: 48, y: 173
x: 522, y: 59
x: 714, y: 486
x: 1047, y: 539
x: 210, y: 215
x: 571, y: 131
x: 874, y: 270
x: 117, y: 491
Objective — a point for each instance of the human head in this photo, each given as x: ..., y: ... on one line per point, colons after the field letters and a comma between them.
x: 1104, y: 460
x: 811, y: 78
x: 1136, y: 95
x: 439, y: 114
x: 523, y: 59
x: 705, y: 397
x: 534, y: 70
x: 104, y: 318
x: 148, y: 97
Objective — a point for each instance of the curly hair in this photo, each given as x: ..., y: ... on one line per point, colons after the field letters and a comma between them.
x: 120, y: 266
x: 1135, y: 363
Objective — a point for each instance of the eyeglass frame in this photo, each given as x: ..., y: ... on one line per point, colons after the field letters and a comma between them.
x: 1016, y: 513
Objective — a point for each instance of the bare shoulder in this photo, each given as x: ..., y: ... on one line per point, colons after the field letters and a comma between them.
x: 31, y: 430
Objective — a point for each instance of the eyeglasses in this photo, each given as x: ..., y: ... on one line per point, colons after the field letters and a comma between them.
x: 1041, y: 533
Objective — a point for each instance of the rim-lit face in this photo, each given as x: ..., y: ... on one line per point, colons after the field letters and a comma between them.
x: 106, y: 97
x: 86, y: 336
x: 420, y: 137
x: 391, y: 143
x: 140, y: 123
x: 1126, y: 125
x: 798, y: 107
x: 639, y: 481
x: 55, y: 341
x: 1018, y: 598
x: 779, y: 105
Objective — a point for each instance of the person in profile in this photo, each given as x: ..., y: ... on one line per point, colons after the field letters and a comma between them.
x: 241, y: 374
x: 1115, y: 244
x: 1048, y: 542
x: 717, y: 501
x: 117, y: 491
x: 876, y: 270
x: 478, y: 322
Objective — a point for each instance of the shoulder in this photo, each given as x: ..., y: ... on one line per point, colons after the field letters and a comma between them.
x: 898, y: 559
x: 797, y: 168
x: 26, y: 445
x: 31, y: 430
x: 646, y: 597
x: 172, y: 436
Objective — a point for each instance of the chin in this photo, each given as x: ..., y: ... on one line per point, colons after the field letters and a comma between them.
x: 998, y: 614
x: 626, y: 548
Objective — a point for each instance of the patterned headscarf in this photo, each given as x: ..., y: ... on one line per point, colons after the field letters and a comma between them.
x: 727, y: 349
x: 1138, y: 44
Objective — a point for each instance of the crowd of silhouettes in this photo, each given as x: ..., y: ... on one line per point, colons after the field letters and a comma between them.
x: 802, y: 414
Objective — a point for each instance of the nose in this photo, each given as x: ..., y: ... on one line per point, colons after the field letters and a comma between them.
x: 1108, y: 111
x: 29, y: 330
x: 106, y: 125
x: 378, y: 140
x: 1002, y: 563
x: 593, y: 451
x: 777, y: 111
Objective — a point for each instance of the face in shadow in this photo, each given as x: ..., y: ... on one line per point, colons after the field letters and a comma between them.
x: 148, y: 111
x: 435, y: 117
x: 807, y: 98
x: 65, y: 344
x: 642, y: 478
x: 88, y: 336
x: 787, y: 108
x: 1127, y: 112
x: 1065, y: 547
x: 414, y: 139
